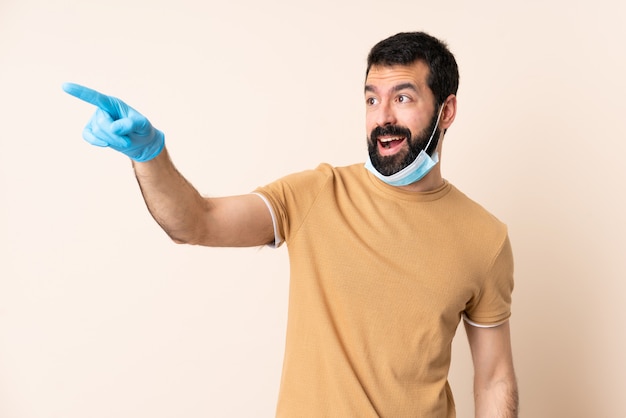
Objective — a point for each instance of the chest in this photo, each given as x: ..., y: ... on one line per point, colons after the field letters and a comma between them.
x: 398, y: 263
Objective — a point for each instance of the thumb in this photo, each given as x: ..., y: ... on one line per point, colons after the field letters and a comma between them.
x: 134, y: 123
x: 122, y: 126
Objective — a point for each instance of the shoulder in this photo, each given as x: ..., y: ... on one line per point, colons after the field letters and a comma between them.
x: 475, y: 217
x: 352, y: 171
x: 305, y: 186
x: 467, y: 203
x: 324, y: 174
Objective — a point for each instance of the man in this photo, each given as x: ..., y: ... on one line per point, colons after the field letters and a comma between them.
x: 385, y: 257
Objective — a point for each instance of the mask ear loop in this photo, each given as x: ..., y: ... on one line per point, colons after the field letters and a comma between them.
x: 432, y: 135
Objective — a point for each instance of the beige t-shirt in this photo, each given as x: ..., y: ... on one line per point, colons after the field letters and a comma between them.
x: 380, y: 278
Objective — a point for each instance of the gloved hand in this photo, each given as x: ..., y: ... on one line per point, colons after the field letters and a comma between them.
x: 119, y: 126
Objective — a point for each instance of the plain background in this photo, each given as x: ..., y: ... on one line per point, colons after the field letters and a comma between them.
x: 102, y: 316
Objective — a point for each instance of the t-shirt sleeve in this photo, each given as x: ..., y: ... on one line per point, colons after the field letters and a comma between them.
x: 291, y: 198
x: 492, y: 305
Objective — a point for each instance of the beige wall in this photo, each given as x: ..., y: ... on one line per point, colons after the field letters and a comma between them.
x: 101, y: 316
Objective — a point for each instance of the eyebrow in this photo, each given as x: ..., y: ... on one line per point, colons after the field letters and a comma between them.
x: 395, y: 89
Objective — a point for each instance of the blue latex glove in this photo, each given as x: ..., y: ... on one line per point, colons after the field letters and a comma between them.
x: 119, y: 126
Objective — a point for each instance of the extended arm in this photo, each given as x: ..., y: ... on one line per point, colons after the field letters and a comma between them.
x: 175, y: 204
x: 495, y: 386
x: 187, y: 217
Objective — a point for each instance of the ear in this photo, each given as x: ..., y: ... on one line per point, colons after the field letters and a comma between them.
x: 449, y: 112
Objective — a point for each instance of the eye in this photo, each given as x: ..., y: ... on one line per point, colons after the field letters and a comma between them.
x: 371, y: 101
x: 403, y: 98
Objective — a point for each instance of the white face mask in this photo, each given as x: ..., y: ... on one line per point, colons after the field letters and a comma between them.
x: 413, y: 172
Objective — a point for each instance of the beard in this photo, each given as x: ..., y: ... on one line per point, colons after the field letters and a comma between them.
x: 391, y: 164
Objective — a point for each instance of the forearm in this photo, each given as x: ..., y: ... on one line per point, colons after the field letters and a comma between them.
x: 172, y: 201
x: 497, y: 399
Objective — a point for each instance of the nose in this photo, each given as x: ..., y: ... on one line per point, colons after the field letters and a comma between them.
x: 385, y: 114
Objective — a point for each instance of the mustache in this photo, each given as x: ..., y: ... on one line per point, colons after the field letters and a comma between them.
x: 390, y: 130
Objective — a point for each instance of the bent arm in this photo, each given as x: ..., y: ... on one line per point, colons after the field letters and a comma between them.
x: 495, y: 386
x: 187, y: 217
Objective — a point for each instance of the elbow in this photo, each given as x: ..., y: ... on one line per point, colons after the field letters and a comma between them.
x: 182, y: 233
x: 188, y: 240
x: 500, y: 398
x: 184, y: 237
x: 178, y: 240
x: 187, y: 229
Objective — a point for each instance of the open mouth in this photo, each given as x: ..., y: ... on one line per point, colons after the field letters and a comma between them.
x: 390, y: 144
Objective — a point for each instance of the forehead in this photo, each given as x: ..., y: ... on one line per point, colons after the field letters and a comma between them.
x: 383, y: 76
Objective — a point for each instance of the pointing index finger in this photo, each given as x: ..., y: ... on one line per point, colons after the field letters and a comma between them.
x: 104, y: 102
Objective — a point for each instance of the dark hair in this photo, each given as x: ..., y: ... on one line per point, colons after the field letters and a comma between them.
x: 408, y: 47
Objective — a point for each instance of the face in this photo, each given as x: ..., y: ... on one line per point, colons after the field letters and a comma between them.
x: 400, y: 115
